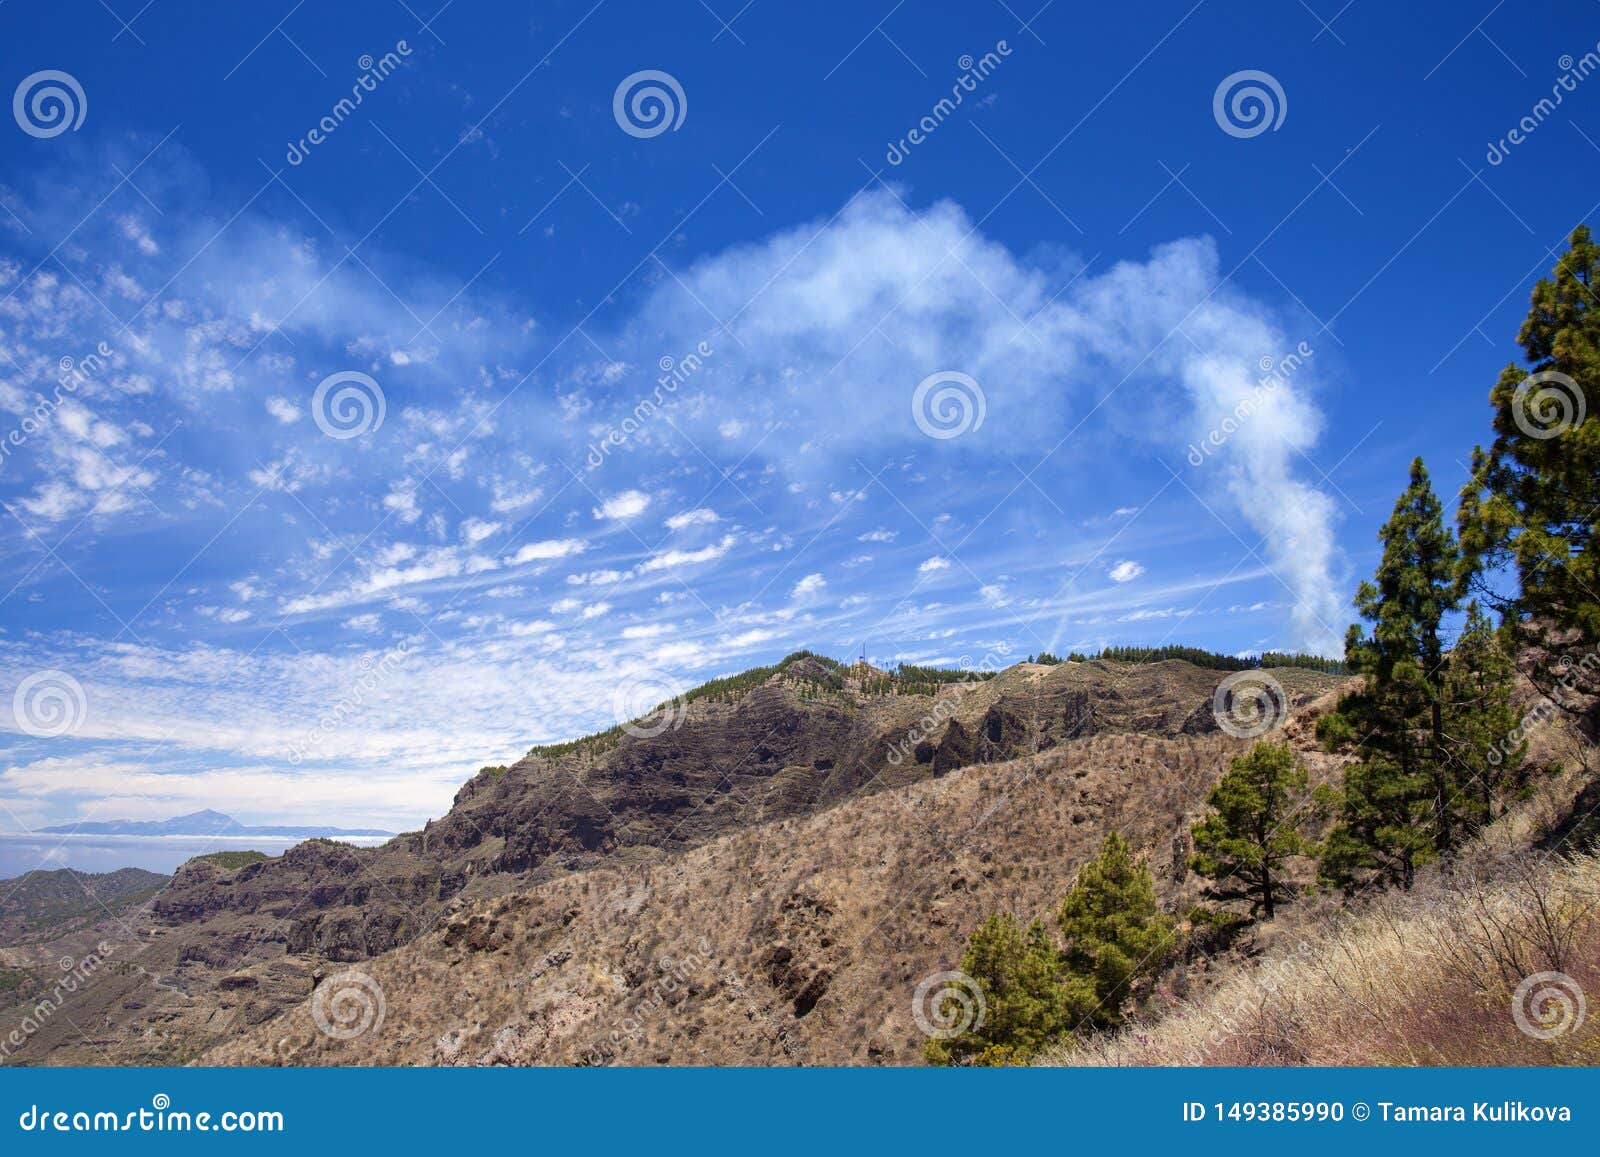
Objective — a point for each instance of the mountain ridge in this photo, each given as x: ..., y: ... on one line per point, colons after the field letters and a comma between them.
x: 749, y: 757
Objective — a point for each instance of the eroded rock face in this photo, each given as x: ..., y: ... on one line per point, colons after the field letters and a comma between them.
x: 1077, y: 715
x: 803, y: 951
x: 341, y: 902
x: 958, y: 748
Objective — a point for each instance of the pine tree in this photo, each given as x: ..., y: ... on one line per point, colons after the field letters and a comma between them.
x: 1243, y: 844
x: 1482, y: 726
x: 1534, y: 494
x: 1115, y: 931
x: 1402, y: 789
x: 1385, y: 816
x: 1028, y: 1002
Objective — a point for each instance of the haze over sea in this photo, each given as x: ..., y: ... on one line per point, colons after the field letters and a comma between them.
x: 23, y: 852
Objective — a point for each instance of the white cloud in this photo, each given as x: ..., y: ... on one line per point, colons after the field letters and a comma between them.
x: 623, y: 506
x: 547, y: 550
x: 598, y: 578
x: 511, y: 498
x: 394, y: 553
x: 425, y: 721
x: 83, y: 425
x: 403, y: 504
x: 283, y: 410
x: 55, y: 500
x: 228, y: 615
x: 1150, y: 613
x: 116, y: 789
x: 810, y: 585
x: 570, y: 606
x: 802, y: 365
x: 700, y: 517
x: 646, y: 631
x: 425, y: 566
x: 133, y: 229
x: 475, y: 530
x: 672, y: 559
x: 1126, y: 571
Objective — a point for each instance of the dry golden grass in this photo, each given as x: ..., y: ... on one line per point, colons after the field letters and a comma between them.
x: 1426, y: 978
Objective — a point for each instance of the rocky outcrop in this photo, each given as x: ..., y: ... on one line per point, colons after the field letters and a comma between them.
x: 958, y: 748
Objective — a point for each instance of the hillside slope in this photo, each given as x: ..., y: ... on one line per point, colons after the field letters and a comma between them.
x: 802, y: 753
x: 43, y: 903
x: 799, y: 942
x: 1488, y: 968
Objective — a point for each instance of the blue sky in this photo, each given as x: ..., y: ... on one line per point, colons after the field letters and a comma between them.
x: 1095, y: 252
